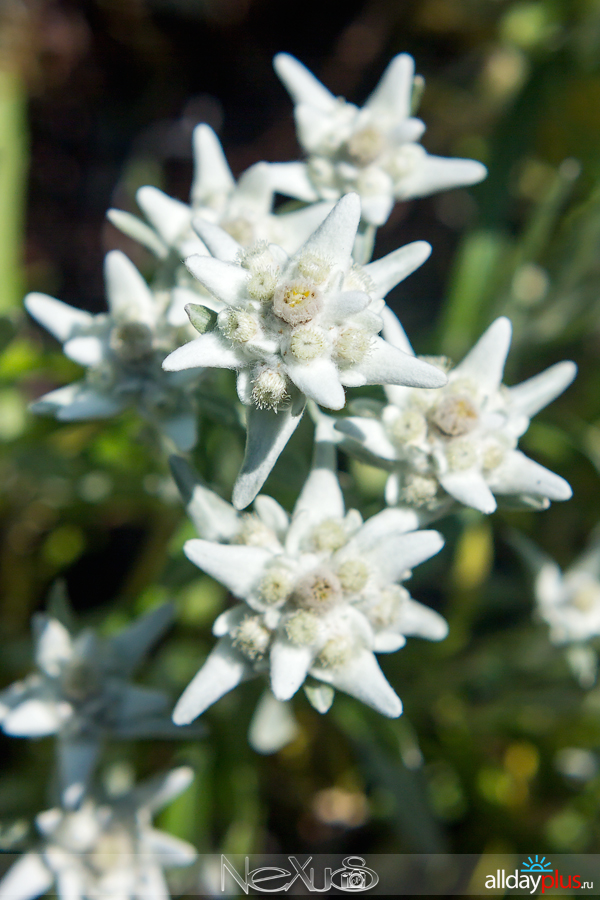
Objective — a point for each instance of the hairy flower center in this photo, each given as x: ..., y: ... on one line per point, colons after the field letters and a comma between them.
x: 319, y: 591
x: 419, y: 490
x: 241, y: 229
x: 329, y: 535
x: 353, y: 575
x: 587, y: 598
x: 131, y: 341
x: 365, y: 145
x: 307, y: 344
x: 297, y: 303
x: 251, y: 637
x: 352, y: 345
x: 336, y: 653
x: 276, y: 586
x: 302, y: 628
x: 407, y: 427
x: 455, y: 415
x: 237, y: 325
x: 253, y: 532
x: 269, y: 390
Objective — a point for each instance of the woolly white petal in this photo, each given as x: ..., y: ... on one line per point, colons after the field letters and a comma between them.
x: 435, y: 173
x: 78, y: 401
x: 85, y: 349
x: 387, y: 642
x: 334, y: 238
x: 520, y: 475
x: 385, y: 524
x: 313, y: 126
x: 212, y: 174
x: 534, y: 394
x: 393, y: 332
x: 484, y: 364
x: 362, y: 678
x: 225, y: 280
x: 271, y: 513
x: 376, y: 209
x: 393, y: 556
x: 385, y: 364
x: 33, y: 718
x: 295, y: 227
x: 289, y: 667
x: 395, y: 267
x: 371, y: 435
x: 26, y: 879
x: 469, y: 488
x: 170, y: 850
x: 273, y: 725
x: 223, y: 670
x: 60, y: 319
x: 129, y: 297
x: 214, y: 519
x: 267, y: 434
x: 138, y: 230
x: 53, y: 645
x: 254, y: 191
x: 393, y: 94
x: 170, y: 217
x: 341, y: 306
x: 301, y: 84
x: 319, y: 380
x: 219, y: 242
x: 157, y: 792
x: 236, y: 566
x: 417, y: 619
x: 292, y: 180
x: 208, y: 350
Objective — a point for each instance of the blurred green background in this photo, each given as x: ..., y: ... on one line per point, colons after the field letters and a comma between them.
x: 98, y: 98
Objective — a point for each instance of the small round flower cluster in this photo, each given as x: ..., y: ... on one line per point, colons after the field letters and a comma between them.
x: 460, y: 443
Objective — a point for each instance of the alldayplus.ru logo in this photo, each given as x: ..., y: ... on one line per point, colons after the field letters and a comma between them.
x: 536, y: 872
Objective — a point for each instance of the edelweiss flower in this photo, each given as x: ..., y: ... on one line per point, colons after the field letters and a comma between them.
x: 373, y: 151
x: 123, y: 351
x: 106, y: 849
x: 459, y: 443
x: 82, y: 693
x: 243, y: 210
x: 298, y: 327
x: 570, y: 601
x: 319, y: 602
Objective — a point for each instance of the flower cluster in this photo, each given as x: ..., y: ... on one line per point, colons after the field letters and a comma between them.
x: 373, y: 151
x: 296, y: 327
x: 82, y: 694
x: 123, y: 352
x: 107, y: 848
x: 321, y: 597
x: 458, y: 444
x: 243, y: 209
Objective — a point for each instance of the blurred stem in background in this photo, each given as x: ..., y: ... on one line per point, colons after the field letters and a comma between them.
x: 13, y: 168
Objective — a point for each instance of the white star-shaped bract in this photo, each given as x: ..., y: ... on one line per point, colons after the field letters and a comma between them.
x: 123, y: 351
x: 299, y: 327
x: 82, y: 693
x: 244, y: 209
x: 373, y: 151
x: 106, y: 849
x: 320, y: 597
x: 569, y: 601
x: 460, y: 443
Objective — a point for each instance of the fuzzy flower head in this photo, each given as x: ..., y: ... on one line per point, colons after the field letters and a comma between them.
x: 321, y: 595
x: 82, y: 693
x: 373, y: 151
x: 460, y: 443
x: 569, y: 601
x: 106, y: 849
x: 123, y: 351
x: 299, y: 327
x: 244, y: 209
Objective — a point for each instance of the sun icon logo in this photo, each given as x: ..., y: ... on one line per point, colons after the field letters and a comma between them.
x: 537, y: 865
